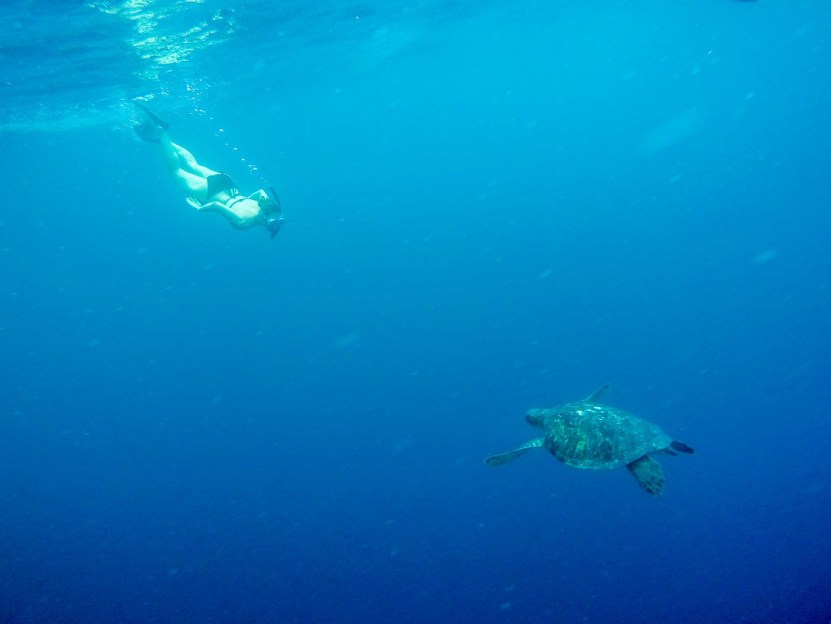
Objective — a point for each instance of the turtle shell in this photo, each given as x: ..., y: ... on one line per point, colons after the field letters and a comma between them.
x: 587, y: 435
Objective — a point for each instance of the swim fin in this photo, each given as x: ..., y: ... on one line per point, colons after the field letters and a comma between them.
x: 152, y: 128
x: 161, y: 123
x: 147, y: 131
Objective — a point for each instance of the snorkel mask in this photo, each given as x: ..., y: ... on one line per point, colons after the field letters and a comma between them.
x: 273, y: 225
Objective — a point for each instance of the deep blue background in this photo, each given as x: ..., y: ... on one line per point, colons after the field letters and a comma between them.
x: 488, y: 208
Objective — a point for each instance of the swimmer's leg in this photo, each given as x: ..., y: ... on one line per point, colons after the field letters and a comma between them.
x: 179, y: 158
x: 188, y: 173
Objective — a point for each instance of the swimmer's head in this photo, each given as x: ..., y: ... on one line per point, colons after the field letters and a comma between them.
x: 270, y: 203
x: 272, y: 211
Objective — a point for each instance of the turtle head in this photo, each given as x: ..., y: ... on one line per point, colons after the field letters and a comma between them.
x: 535, y: 417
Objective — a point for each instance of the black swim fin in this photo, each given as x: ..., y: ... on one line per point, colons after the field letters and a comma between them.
x: 158, y: 121
x: 152, y: 128
x: 148, y: 131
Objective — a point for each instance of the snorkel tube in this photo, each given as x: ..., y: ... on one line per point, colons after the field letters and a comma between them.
x: 275, y: 199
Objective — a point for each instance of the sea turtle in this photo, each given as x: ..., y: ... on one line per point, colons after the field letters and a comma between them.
x: 586, y: 434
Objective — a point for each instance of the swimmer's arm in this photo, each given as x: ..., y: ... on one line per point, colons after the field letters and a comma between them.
x: 213, y: 206
x: 234, y: 219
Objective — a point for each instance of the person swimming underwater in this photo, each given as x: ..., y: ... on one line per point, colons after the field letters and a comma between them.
x: 208, y: 190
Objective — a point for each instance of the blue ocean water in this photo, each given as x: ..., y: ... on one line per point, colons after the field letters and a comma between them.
x: 490, y: 206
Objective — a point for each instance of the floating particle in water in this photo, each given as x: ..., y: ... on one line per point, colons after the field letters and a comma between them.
x: 348, y: 340
x: 766, y: 256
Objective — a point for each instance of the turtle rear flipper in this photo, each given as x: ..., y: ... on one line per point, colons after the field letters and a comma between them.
x: 649, y: 474
x: 504, y: 458
x: 681, y: 447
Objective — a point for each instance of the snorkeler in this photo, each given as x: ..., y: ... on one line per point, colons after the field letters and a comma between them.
x: 211, y: 190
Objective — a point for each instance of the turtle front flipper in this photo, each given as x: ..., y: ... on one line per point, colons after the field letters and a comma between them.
x: 649, y: 474
x: 504, y: 458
